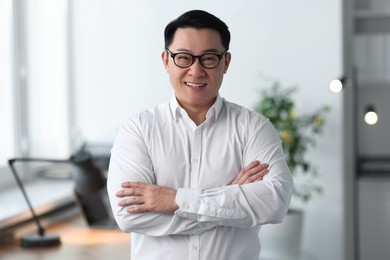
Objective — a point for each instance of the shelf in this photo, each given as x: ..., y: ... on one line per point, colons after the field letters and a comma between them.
x: 378, y: 23
x: 374, y: 166
x: 372, y: 14
x: 374, y: 20
x: 364, y: 84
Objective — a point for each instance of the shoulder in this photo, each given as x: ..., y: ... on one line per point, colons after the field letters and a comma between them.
x: 257, y: 128
x: 160, y: 111
x: 249, y: 122
x: 239, y: 112
x: 146, y: 119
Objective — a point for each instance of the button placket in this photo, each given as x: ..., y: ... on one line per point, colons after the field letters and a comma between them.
x: 194, y: 247
x: 196, y: 157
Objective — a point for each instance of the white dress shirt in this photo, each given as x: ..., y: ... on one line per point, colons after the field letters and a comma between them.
x: 215, y: 220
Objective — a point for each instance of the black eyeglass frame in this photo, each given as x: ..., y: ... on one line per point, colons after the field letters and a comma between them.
x: 194, y: 57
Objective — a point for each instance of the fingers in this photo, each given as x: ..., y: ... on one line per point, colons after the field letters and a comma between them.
x: 144, y: 197
x: 132, y: 200
x: 131, y: 189
x: 250, y: 169
x: 131, y: 184
x: 129, y: 192
x: 255, y: 171
x: 132, y: 193
x: 241, y: 175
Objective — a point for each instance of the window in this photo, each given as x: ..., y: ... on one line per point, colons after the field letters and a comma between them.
x: 6, y: 94
x: 47, y: 79
x: 35, y: 114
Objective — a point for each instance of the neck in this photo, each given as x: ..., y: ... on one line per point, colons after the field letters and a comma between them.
x: 196, y: 113
x: 198, y: 116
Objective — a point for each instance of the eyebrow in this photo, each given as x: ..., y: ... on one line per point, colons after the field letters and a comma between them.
x: 204, y: 51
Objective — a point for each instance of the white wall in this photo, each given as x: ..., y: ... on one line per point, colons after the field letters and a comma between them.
x: 118, y: 71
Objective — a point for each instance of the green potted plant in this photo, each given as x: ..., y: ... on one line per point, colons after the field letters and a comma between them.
x: 297, y: 132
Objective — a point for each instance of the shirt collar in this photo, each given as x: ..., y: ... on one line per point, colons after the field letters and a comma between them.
x: 214, y: 110
x: 175, y: 107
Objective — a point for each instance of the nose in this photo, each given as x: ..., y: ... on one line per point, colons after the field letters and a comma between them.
x: 196, y: 69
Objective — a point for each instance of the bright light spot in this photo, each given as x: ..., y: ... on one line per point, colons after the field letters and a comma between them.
x: 371, y: 118
x: 335, y: 86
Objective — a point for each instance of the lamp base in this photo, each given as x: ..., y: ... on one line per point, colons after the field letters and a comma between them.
x: 35, y: 240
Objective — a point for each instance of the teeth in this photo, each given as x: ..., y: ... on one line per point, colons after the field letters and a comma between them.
x: 192, y: 85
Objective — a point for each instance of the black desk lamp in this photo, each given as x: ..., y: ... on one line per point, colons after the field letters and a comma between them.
x: 89, y: 179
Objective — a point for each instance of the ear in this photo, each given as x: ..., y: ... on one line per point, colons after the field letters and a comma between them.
x: 228, y: 57
x: 165, y: 60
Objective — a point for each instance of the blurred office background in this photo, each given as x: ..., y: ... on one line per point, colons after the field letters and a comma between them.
x: 72, y: 70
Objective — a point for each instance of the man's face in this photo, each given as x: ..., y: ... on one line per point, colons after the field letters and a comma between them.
x: 196, y: 87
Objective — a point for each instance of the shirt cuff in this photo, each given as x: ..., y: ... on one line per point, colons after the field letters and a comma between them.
x: 187, y: 200
x: 210, y: 206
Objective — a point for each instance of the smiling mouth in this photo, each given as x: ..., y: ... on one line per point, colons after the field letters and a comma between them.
x: 193, y: 85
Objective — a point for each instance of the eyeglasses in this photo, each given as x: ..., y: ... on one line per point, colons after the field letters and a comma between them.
x: 185, y: 60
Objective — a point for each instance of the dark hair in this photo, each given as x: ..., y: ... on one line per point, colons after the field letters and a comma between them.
x: 200, y: 20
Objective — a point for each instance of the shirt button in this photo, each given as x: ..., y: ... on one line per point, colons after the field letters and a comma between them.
x: 196, y: 160
x: 195, y: 248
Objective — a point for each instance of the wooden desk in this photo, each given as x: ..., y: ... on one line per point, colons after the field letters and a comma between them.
x: 79, y: 242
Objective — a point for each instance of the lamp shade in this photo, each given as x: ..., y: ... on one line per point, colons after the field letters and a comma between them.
x: 87, y: 176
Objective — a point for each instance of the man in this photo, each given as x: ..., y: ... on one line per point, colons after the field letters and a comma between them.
x: 195, y: 178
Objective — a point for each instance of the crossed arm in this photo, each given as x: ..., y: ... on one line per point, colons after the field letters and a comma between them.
x: 248, y: 200
x: 144, y: 197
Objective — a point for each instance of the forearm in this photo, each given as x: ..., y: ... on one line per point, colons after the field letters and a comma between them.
x: 199, y: 210
x: 139, y: 197
x: 241, y: 206
x: 254, y: 198
x: 148, y: 223
x: 154, y: 224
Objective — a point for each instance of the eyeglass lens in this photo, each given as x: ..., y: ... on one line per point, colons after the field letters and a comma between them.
x: 208, y: 60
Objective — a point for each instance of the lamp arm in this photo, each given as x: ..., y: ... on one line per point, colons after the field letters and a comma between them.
x: 41, y: 230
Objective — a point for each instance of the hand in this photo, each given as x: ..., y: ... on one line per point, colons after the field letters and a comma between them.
x: 251, y: 173
x: 143, y: 197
